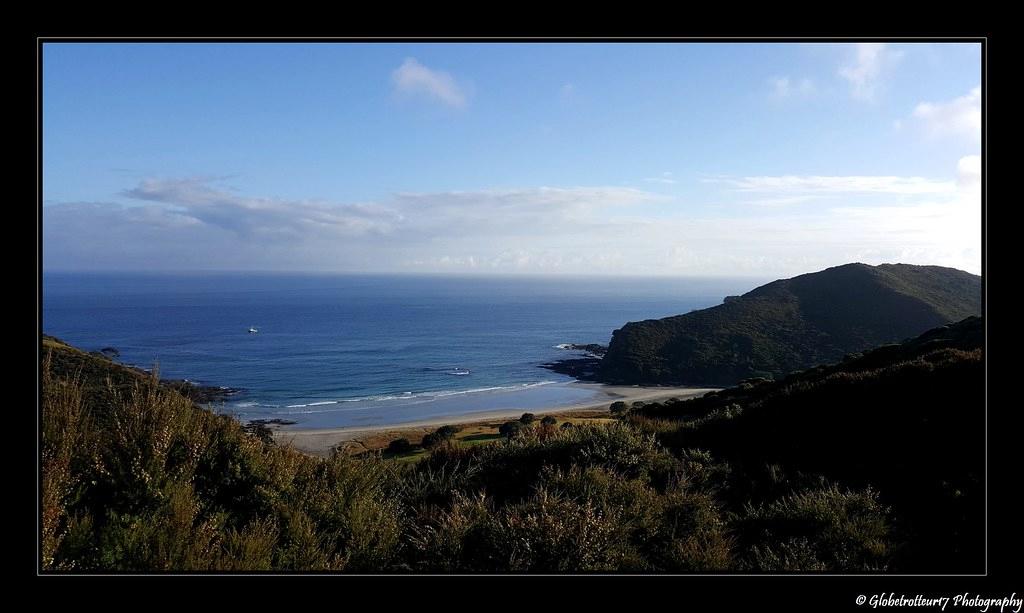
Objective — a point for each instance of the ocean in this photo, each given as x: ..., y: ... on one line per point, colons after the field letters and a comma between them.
x: 362, y: 350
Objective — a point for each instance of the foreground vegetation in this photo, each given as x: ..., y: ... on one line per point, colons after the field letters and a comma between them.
x: 874, y: 464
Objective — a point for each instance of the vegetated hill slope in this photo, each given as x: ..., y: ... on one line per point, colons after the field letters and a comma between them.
x: 94, y: 368
x: 906, y: 419
x: 792, y: 324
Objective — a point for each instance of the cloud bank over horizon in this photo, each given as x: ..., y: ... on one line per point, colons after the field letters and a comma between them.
x: 196, y: 223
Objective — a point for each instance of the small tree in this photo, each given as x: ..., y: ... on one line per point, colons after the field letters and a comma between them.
x: 548, y: 421
x: 399, y: 445
x: 510, y: 428
x: 527, y: 418
x: 430, y: 440
x: 618, y: 408
x: 447, y: 432
x: 442, y: 435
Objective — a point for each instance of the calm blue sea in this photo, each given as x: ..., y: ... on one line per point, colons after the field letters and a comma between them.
x: 346, y: 350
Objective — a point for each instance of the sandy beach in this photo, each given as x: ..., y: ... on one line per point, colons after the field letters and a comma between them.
x: 321, y: 441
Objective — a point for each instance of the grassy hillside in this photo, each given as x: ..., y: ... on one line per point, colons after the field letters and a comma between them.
x: 791, y: 324
x: 843, y: 468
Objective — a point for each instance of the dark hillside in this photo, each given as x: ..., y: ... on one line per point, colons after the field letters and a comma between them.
x: 791, y: 324
x: 904, y: 419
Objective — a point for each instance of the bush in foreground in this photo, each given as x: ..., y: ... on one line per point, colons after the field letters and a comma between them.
x: 817, y: 530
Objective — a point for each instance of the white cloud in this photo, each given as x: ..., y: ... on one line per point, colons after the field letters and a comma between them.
x: 785, y: 200
x: 783, y: 87
x: 960, y: 117
x: 790, y: 184
x: 414, y: 78
x: 871, y: 219
x: 407, y: 215
x: 866, y: 66
x: 968, y: 171
x: 526, y: 213
x: 194, y: 223
x: 197, y: 199
x: 665, y: 178
x: 945, y: 232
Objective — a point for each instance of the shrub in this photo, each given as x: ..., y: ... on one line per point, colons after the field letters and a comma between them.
x: 548, y: 421
x: 447, y: 432
x: 633, y: 500
x: 696, y: 534
x: 399, y: 445
x: 437, y: 479
x: 65, y: 430
x: 353, y: 504
x: 510, y: 428
x: 618, y: 408
x: 251, y: 548
x: 551, y: 534
x: 448, y: 540
x: 818, y: 529
x: 302, y: 547
x: 511, y: 471
x: 442, y: 435
x: 527, y: 418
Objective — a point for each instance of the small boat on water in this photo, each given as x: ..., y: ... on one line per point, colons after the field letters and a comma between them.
x: 459, y: 371
x: 253, y: 330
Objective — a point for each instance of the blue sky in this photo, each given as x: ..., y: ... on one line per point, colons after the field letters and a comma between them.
x: 654, y: 159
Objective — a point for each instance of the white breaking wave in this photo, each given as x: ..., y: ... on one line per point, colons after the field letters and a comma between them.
x: 312, y: 404
x: 491, y: 389
x: 420, y: 397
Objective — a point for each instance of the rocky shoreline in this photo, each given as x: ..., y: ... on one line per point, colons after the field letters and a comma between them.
x: 202, y: 394
x: 583, y: 368
x: 591, y: 349
x: 277, y: 421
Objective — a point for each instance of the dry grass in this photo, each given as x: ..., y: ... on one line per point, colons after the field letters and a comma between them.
x: 471, y: 434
